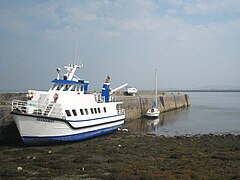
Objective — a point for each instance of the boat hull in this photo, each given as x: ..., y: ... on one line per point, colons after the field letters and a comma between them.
x: 153, y: 113
x: 37, y: 130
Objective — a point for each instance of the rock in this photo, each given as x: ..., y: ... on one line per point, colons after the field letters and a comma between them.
x: 123, y: 130
x: 49, y: 152
x: 19, y: 168
x: 119, y: 145
x: 28, y: 157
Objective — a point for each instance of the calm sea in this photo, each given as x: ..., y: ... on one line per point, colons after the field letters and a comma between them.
x: 210, y: 113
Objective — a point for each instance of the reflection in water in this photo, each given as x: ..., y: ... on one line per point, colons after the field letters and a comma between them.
x: 156, y: 126
x: 153, y: 124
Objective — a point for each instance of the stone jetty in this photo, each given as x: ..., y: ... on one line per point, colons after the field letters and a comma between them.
x: 136, y: 106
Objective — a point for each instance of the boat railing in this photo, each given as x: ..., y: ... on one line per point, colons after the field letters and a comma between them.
x: 113, y: 98
x: 120, y: 111
x: 51, y: 109
x: 19, y: 105
x: 98, y: 98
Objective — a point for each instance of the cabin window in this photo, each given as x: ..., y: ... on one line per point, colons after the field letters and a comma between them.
x: 81, y: 111
x: 73, y: 88
x: 66, y: 87
x: 99, y: 111
x: 59, y: 87
x: 95, y: 110
x: 68, y: 113
x: 86, y: 111
x: 74, y: 112
x: 82, y: 87
x: 105, y: 110
x: 54, y: 86
x: 77, y: 88
x: 92, y: 111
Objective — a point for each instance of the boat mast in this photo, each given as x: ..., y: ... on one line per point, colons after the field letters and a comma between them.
x: 156, y: 86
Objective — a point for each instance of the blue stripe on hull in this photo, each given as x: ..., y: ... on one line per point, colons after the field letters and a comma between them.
x: 93, y: 119
x: 31, y: 140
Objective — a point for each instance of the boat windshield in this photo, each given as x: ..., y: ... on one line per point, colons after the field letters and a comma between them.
x: 59, y: 87
x: 68, y: 87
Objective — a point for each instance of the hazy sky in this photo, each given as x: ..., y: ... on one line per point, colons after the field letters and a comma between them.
x: 192, y: 43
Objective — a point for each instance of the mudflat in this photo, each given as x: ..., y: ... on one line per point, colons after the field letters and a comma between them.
x: 123, y: 155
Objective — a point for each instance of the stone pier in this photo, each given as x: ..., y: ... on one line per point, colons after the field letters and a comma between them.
x: 136, y: 106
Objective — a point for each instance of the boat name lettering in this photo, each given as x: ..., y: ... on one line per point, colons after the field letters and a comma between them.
x: 45, y: 120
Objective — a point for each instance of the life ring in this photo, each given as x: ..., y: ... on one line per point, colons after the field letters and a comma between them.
x: 55, y: 97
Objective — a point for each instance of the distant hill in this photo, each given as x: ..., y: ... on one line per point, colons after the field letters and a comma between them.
x: 211, y: 88
x: 218, y: 87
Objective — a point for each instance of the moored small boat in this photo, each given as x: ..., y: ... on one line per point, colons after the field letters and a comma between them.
x: 154, y: 112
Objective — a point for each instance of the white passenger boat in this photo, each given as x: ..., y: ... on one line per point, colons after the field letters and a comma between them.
x: 67, y: 112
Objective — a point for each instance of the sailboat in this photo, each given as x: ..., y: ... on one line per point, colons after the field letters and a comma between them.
x: 154, y: 112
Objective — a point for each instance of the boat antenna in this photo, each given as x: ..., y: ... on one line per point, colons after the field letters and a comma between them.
x: 76, y: 54
x: 81, y: 62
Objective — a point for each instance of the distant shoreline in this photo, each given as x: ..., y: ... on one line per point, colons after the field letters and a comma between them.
x: 168, y: 90
x: 202, y: 90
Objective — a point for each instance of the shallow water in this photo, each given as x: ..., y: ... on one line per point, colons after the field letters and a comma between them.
x: 210, y: 113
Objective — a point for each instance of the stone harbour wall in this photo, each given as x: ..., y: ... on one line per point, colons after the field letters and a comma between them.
x: 136, y: 106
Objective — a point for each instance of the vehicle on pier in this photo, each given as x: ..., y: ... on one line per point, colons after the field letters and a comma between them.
x: 132, y: 91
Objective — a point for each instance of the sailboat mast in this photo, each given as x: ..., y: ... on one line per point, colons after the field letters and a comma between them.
x: 156, y: 86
